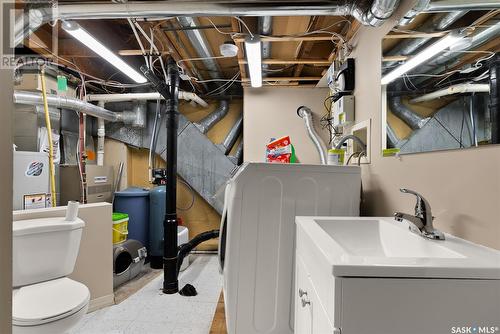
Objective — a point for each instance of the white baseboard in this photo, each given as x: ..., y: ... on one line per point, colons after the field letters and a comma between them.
x: 101, y: 302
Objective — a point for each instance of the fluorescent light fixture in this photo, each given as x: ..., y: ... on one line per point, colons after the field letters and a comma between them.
x: 254, y: 60
x: 421, y: 57
x: 88, y: 40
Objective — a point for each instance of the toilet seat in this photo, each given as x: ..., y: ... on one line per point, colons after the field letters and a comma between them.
x: 49, y: 301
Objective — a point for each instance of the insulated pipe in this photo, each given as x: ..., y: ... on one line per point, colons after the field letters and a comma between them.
x: 33, y: 98
x: 101, y: 132
x: 455, y: 89
x: 188, y: 96
x: 231, y: 136
x: 306, y: 114
x: 210, y: 120
x: 376, y: 14
x: 412, y: 119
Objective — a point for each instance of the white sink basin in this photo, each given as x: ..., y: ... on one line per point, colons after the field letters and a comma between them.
x: 383, y: 247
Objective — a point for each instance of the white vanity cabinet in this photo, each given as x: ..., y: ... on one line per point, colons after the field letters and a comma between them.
x: 348, y: 287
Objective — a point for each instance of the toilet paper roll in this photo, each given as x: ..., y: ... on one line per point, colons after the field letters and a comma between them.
x: 72, y: 211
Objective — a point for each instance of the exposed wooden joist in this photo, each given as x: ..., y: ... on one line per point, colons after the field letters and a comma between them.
x: 304, y: 47
x: 236, y: 28
x: 272, y: 79
x: 319, y: 62
x: 290, y: 39
x: 395, y: 58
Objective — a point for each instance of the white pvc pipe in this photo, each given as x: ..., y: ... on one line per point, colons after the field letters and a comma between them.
x: 143, y: 96
x: 455, y: 89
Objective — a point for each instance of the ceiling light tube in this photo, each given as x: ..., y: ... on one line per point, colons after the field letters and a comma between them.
x: 421, y: 57
x: 75, y: 30
x: 254, y: 60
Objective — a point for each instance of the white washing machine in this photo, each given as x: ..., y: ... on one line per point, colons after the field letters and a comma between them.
x: 256, y: 250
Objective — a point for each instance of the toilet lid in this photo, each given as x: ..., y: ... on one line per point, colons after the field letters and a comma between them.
x: 48, y: 301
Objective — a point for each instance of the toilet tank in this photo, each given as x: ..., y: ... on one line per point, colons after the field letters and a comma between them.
x: 44, y: 249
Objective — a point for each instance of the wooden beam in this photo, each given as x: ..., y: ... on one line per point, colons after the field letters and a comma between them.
x: 304, y: 48
x: 272, y: 79
x: 395, y: 58
x: 290, y: 39
x: 241, y: 56
x: 270, y: 61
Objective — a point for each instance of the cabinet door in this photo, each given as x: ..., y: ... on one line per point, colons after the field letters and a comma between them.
x: 303, y: 310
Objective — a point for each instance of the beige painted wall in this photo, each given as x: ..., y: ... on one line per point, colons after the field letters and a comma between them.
x: 272, y: 112
x: 463, y: 186
x: 6, y: 201
x: 94, y: 264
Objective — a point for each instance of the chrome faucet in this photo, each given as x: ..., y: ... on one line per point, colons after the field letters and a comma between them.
x: 421, y: 222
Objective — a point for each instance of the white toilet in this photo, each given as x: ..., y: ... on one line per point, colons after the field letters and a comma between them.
x: 44, y: 301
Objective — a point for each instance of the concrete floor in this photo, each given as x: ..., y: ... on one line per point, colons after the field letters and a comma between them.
x: 149, y: 311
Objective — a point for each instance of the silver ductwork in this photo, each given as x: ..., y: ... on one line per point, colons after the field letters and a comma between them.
x: 210, y: 120
x: 392, y: 138
x: 265, y: 24
x: 452, y: 5
x: 306, y: 114
x: 408, y: 18
x: 63, y: 102
x: 199, y: 43
x: 374, y: 15
x: 137, y: 117
x: 407, y: 115
x: 237, y: 158
x: 411, y: 45
x: 232, y: 136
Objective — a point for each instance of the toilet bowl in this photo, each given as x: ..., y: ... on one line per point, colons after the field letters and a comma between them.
x: 44, y: 300
x: 49, y: 307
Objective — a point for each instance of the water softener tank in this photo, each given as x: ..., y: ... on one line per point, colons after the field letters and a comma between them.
x: 157, y: 199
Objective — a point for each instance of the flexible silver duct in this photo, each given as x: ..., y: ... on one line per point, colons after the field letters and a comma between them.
x: 375, y: 15
x: 404, y: 113
x: 420, y: 5
x: 232, y: 136
x: 392, y: 138
x: 237, y: 158
x: 306, y: 114
x: 34, y: 98
x: 265, y: 24
x: 200, y: 44
x: 210, y: 120
x: 411, y: 45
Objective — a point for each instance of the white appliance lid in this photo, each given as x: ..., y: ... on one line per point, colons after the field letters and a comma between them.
x: 48, y: 301
x: 42, y: 225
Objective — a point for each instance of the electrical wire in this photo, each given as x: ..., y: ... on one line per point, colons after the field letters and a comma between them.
x: 191, y: 190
